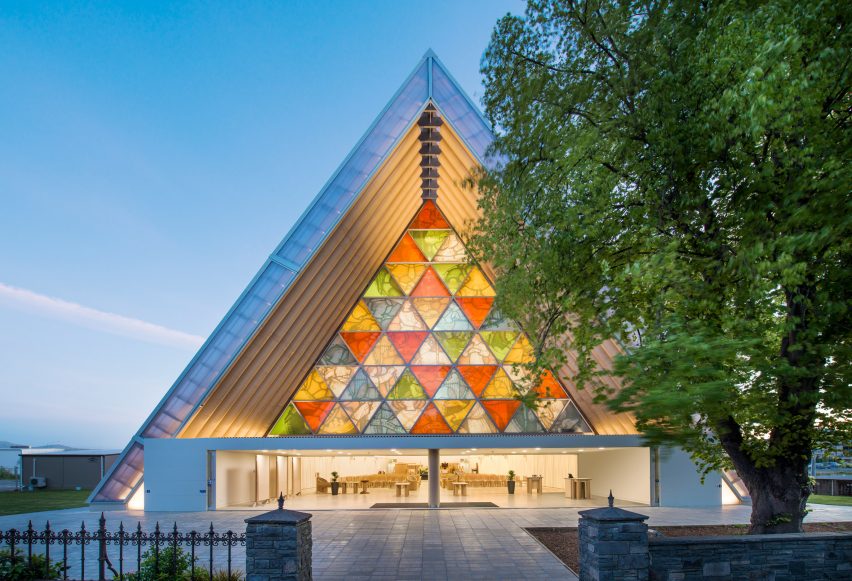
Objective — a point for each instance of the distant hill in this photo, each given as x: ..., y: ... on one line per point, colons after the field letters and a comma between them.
x: 6, y: 444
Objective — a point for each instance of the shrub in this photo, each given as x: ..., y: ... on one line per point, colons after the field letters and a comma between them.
x: 24, y: 569
x: 151, y: 571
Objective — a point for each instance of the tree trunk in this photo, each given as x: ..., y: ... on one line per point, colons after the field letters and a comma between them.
x: 778, y: 499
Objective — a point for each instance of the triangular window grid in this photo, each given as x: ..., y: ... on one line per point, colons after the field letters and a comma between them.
x: 424, y: 351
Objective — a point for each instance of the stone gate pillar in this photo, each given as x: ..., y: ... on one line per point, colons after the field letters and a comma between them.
x: 278, y: 545
x: 613, y: 545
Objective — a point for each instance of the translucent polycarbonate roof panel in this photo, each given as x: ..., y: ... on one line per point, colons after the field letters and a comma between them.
x: 217, y: 353
x: 460, y: 112
x: 123, y: 477
x: 314, y: 225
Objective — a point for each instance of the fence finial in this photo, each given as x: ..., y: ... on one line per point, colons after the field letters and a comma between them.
x: 610, y: 498
x: 281, y: 501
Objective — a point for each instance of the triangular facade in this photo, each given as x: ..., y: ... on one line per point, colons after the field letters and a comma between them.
x: 421, y: 351
x: 424, y: 323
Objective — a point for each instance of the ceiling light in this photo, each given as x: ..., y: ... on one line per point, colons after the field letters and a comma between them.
x: 538, y: 448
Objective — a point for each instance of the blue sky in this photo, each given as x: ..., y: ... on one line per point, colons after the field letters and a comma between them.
x: 152, y: 155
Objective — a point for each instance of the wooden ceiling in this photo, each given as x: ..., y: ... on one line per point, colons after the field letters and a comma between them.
x: 258, y: 384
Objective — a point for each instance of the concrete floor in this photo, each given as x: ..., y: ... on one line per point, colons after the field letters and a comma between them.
x: 463, y: 544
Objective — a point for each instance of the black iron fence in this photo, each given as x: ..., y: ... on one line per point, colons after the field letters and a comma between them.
x: 118, y: 551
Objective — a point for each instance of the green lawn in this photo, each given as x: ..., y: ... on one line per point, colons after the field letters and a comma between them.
x: 825, y: 499
x: 37, y: 501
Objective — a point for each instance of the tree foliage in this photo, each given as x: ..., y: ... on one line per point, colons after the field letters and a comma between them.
x: 676, y: 174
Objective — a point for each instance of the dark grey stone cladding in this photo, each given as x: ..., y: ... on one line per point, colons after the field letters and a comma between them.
x: 785, y: 557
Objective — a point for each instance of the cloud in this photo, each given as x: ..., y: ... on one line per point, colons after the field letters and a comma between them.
x: 46, y: 306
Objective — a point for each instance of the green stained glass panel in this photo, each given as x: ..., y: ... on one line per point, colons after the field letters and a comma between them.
x: 524, y: 422
x: 500, y: 342
x: 337, y: 353
x: 453, y: 275
x: 407, y: 388
x: 384, y: 422
x: 360, y: 388
x: 453, y: 319
x: 384, y: 310
x: 383, y: 286
x: 429, y: 241
x: 453, y: 342
x: 454, y: 387
x: 290, y: 423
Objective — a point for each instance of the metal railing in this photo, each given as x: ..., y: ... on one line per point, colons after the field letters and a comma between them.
x: 48, y: 541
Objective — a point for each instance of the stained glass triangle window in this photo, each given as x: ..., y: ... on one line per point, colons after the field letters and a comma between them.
x: 424, y: 350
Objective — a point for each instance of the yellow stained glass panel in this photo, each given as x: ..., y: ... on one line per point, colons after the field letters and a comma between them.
x: 314, y: 388
x: 500, y: 387
x: 407, y: 275
x: 476, y: 285
x: 454, y: 410
x: 521, y: 352
x: 361, y: 319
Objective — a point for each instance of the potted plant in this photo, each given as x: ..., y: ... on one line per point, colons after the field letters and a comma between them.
x: 511, y: 482
x: 424, y: 474
x: 335, y: 485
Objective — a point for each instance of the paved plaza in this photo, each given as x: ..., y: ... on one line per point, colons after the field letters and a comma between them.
x: 462, y: 544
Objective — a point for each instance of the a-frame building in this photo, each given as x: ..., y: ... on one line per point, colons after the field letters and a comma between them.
x: 370, y: 328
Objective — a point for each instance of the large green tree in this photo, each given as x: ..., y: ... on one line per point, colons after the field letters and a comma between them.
x: 676, y: 174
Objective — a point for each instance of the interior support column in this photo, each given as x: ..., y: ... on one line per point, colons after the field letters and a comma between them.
x: 434, y: 479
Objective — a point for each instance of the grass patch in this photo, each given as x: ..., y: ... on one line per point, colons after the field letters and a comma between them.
x: 826, y: 499
x: 40, y: 500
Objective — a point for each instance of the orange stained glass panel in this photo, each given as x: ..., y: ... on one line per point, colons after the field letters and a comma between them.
x: 430, y: 285
x: 360, y: 343
x: 477, y: 376
x: 501, y: 411
x: 476, y: 308
x: 314, y: 412
x: 476, y: 285
x: 406, y: 275
x: 549, y: 387
x: 430, y: 376
x: 406, y: 251
x: 431, y: 309
x: 429, y: 217
x: 431, y: 422
x: 407, y: 342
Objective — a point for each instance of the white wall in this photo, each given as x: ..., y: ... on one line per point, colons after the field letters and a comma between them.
x: 627, y: 472
x: 680, y: 481
x: 175, y: 477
